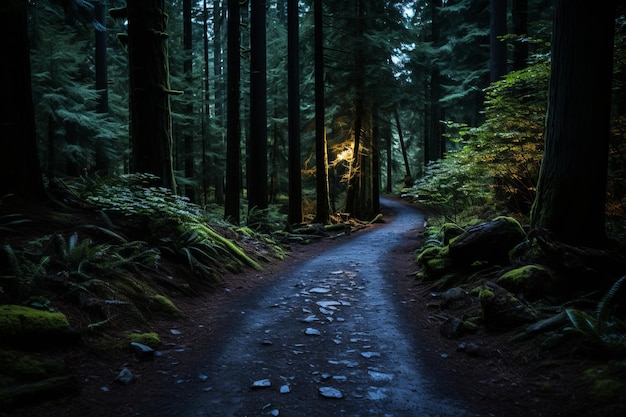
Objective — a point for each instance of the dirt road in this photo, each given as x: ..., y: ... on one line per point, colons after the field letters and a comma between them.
x: 327, y: 339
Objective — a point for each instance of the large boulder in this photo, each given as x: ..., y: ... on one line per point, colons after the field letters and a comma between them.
x: 487, y: 242
x: 533, y: 281
x: 435, y: 261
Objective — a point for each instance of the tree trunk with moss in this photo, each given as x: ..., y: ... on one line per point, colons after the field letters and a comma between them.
x: 19, y: 164
x: 150, y: 113
x: 571, y: 192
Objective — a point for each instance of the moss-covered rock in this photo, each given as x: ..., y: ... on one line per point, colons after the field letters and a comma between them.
x: 533, y: 281
x: 502, y: 310
x: 435, y: 261
x: 605, y: 387
x: 163, y: 306
x: 25, y: 379
x: 17, y: 368
x: 487, y: 242
x: 149, y: 339
x: 450, y: 231
x: 19, y: 323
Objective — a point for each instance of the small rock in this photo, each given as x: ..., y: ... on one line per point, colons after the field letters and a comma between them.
x: 380, y: 376
x: 312, y: 332
x: 329, y: 392
x: 142, y: 351
x: 284, y: 389
x: 261, y: 383
x: 174, y: 331
x: 452, y: 328
x: 125, y: 376
x: 471, y: 349
x: 274, y: 412
x: 370, y: 355
x: 319, y: 290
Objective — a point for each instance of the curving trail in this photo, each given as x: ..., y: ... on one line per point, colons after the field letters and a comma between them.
x: 328, y: 328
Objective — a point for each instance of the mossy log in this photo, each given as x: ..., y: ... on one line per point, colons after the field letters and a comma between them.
x: 40, y: 391
x: 230, y: 246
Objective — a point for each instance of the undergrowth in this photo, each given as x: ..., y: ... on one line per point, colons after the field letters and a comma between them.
x: 113, y: 264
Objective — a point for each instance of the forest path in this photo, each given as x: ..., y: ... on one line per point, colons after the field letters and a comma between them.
x: 330, y: 327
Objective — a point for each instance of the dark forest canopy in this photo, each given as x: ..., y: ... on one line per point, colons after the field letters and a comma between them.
x: 409, y: 91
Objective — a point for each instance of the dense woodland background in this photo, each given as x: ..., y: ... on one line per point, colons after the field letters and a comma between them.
x: 204, y: 135
x: 412, y: 91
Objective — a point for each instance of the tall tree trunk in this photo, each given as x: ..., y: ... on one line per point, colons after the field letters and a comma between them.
x: 189, y: 151
x: 375, y: 162
x: 293, y: 81
x: 435, y: 136
x: 257, y: 159
x: 233, y: 134
x: 388, y: 143
x: 150, y: 113
x: 497, y: 28
x: 407, y: 167
x: 571, y: 192
x: 359, y: 110
x: 519, y: 12
x: 218, y: 72
x: 206, y: 109
x: 102, y: 104
x: 321, y: 148
x: 20, y: 172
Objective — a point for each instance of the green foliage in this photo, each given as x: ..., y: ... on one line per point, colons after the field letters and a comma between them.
x: 80, y: 261
x: 454, y: 187
x: 8, y: 221
x: 20, y: 275
x: 170, y: 218
x: 498, y: 163
x: 200, y: 254
x: 604, y: 328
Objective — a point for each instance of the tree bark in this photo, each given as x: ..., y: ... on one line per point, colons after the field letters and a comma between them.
x: 20, y: 171
x: 257, y: 159
x: 571, y: 191
x: 519, y: 12
x: 435, y: 136
x: 497, y: 26
x: 293, y: 81
x: 407, y: 168
x: 188, y: 137
x: 218, y: 73
x: 233, y: 134
x: 150, y: 114
x: 321, y: 149
x: 102, y: 105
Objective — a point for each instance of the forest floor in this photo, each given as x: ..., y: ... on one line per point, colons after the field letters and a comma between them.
x: 505, y: 380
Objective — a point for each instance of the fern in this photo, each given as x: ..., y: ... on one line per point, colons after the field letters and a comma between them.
x: 603, y: 328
